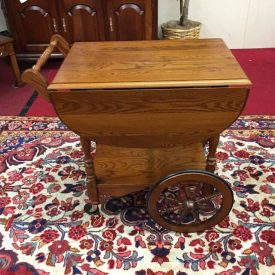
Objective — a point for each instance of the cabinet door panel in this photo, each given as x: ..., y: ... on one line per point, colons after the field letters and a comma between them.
x: 130, y: 20
x: 82, y: 20
x: 35, y: 22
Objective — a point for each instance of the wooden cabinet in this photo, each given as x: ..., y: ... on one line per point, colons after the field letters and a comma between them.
x: 33, y: 22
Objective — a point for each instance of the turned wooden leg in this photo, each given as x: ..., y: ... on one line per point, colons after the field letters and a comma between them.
x: 211, y: 158
x: 89, y: 168
x: 211, y: 162
x: 15, y: 69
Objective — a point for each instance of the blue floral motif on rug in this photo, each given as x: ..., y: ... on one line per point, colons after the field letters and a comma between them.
x: 44, y: 230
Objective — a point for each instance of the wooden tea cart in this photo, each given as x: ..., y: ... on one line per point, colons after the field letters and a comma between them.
x: 151, y: 107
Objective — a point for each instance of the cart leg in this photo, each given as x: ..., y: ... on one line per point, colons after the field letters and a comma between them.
x: 211, y: 162
x: 211, y: 159
x: 91, y: 177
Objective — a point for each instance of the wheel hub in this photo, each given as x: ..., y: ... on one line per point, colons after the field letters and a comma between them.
x: 190, y: 204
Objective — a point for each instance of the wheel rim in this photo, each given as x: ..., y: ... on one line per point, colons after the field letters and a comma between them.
x: 182, y: 202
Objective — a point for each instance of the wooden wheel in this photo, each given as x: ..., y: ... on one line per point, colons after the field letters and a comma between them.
x: 190, y: 201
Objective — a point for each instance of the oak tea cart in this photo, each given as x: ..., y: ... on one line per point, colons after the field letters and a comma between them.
x: 151, y: 107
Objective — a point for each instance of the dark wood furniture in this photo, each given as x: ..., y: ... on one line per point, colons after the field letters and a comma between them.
x: 6, y: 49
x: 34, y: 22
x: 151, y: 106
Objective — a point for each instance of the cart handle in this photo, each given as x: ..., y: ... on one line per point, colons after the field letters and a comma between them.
x: 33, y: 76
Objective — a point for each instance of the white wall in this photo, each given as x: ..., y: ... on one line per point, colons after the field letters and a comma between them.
x: 260, y: 24
x: 241, y: 23
x: 3, y: 26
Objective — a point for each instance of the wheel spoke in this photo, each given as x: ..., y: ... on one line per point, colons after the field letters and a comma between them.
x: 197, y: 216
x: 169, y: 199
x: 207, y: 198
x: 182, y: 214
x: 169, y: 210
x: 182, y: 196
x: 193, y: 190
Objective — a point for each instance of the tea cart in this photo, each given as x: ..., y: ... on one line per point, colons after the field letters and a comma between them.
x: 152, y: 107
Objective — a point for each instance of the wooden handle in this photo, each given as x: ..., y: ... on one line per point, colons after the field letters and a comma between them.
x: 45, y: 56
x: 57, y: 41
x: 37, y: 81
x: 34, y: 77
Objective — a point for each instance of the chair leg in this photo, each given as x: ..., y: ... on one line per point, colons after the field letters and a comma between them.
x: 15, y: 69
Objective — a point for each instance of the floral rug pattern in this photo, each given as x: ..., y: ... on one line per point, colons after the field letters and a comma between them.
x: 43, y: 229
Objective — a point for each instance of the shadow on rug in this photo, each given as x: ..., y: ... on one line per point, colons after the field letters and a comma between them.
x: 43, y: 229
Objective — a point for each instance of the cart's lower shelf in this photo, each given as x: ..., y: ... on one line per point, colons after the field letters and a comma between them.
x: 123, y: 170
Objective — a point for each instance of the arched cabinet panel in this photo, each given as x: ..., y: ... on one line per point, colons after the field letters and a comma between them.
x: 33, y: 23
x: 43, y: 18
x: 130, y: 20
x: 135, y: 17
x: 82, y: 20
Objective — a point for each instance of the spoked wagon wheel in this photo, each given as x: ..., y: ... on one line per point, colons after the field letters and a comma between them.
x: 190, y: 201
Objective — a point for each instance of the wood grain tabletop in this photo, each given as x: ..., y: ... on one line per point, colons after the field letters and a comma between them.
x: 149, y: 64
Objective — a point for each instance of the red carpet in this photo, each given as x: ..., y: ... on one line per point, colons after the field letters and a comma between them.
x: 259, y: 65
x: 12, y: 100
x: 37, y: 110
x: 41, y: 107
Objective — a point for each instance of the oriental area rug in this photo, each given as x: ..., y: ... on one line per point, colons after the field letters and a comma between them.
x: 44, y: 230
